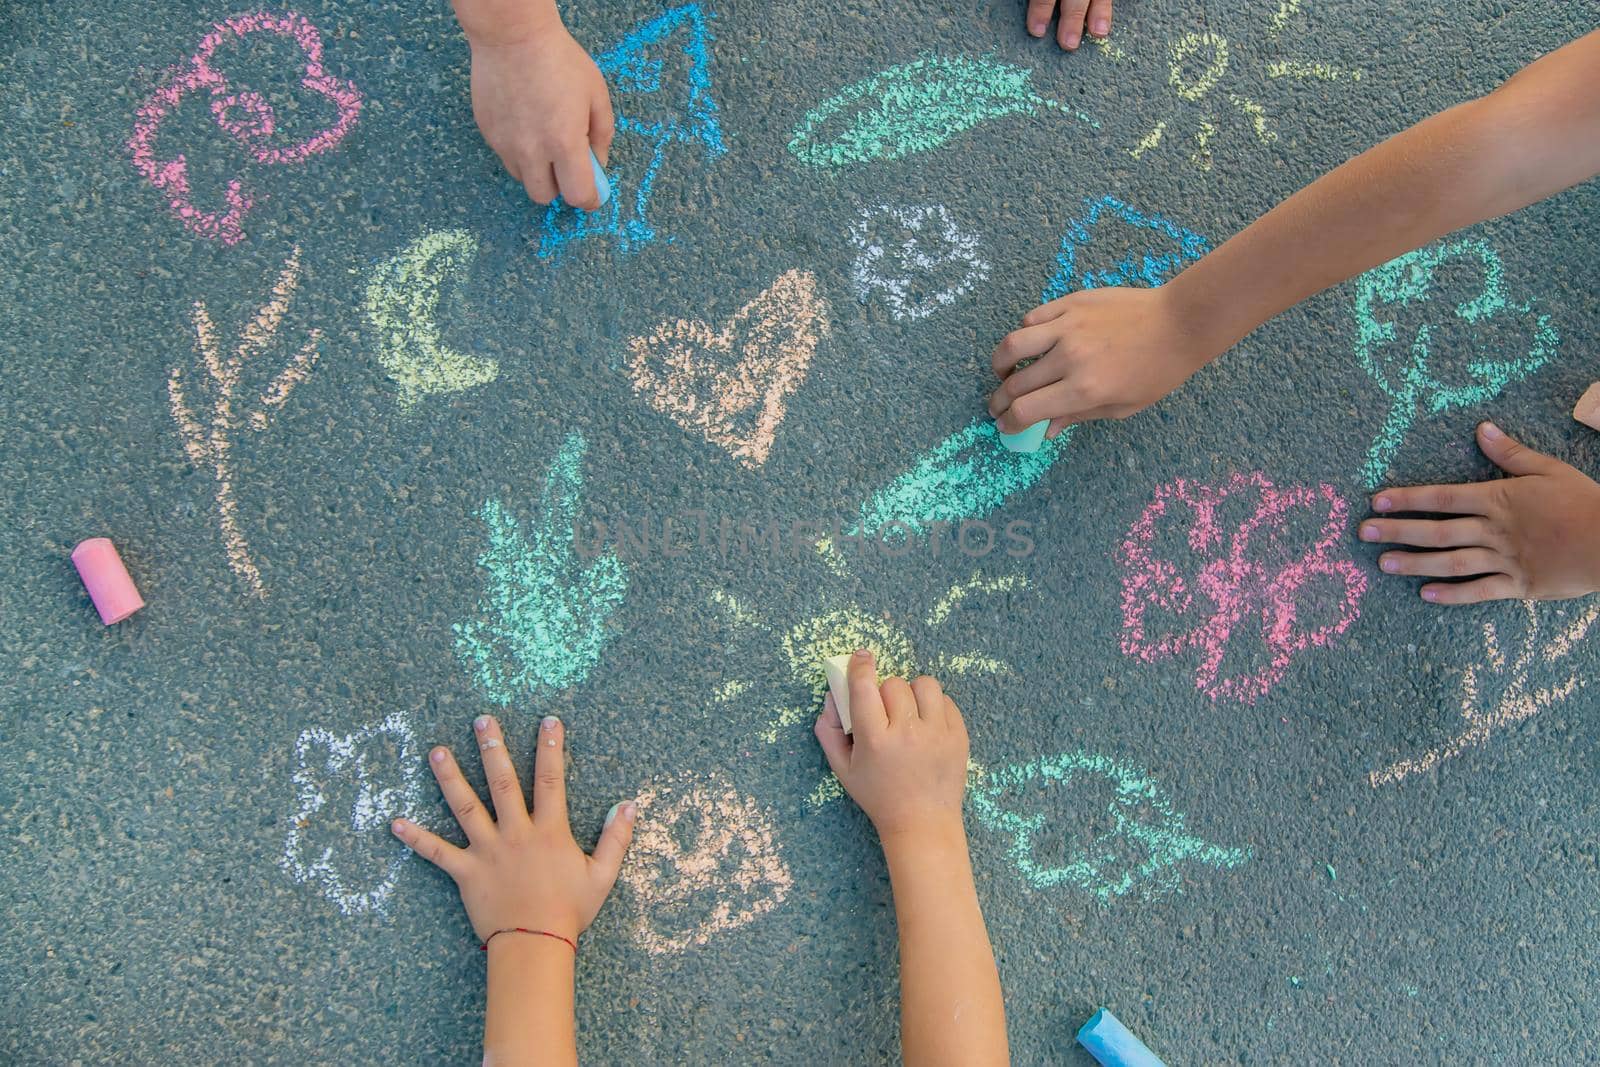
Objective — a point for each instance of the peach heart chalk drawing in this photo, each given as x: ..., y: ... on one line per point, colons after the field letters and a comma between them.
x: 732, y: 384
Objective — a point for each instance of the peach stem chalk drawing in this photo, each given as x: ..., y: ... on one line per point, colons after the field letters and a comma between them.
x: 209, y: 445
x: 916, y: 107
x: 1255, y: 578
x: 704, y: 862
x: 634, y: 67
x: 244, y: 115
x: 1483, y: 713
x: 403, y: 307
x: 1400, y: 365
x: 916, y: 258
x: 731, y: 384
x: 544, y: 611
x: 1143, y: 823
x: 376, y: 771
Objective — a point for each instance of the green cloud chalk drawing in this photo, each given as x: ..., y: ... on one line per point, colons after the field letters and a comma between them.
x: 547, y: 611
x: 403, y: 307
x: 914, y: 108
x: 1403, y: 373
x: 965, y: 476
x: 1143, y: 822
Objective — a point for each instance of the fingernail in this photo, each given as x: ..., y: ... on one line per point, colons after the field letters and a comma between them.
x: 481, y: 723
x: 549, y: 722
x: 1369, y: 533
x: 629, y: 810
x: 1102, y: 27
x: 1391, y: 565
x: 1383, y: 503
x: 437, y: 755
x: 1037, y: 29
x: 1072, y: 41
x: 612, y: 814
x: 399, y: 827
x: 1491, y: 431
x: 862, y: 653
x: 1430, y: 594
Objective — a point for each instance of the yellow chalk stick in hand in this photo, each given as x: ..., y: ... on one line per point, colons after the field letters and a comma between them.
x: 837, y: 668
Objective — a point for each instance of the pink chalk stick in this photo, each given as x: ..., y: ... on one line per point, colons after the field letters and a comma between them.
x: 1588, y: 409
x: 113, y: 592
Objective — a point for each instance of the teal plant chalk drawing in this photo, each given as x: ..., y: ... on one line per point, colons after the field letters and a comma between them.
x: 1171, y: 247
x: 916, y: 107
x: 647, y: 111
x: 1400, y: 365
x: 546, y: 610
x: 965, y: 476
x: 403, y: 307
x: 1140, y: 849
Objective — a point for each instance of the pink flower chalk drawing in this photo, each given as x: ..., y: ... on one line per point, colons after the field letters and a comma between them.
x: 244, y: 115
x: 1256, y: 578
x: 208, y: 446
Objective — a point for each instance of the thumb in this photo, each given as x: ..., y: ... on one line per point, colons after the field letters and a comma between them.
x: 1509, y: 455
x: 613, y: 844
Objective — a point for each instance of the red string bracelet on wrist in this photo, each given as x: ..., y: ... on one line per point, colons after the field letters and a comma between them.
x: 524, y: 930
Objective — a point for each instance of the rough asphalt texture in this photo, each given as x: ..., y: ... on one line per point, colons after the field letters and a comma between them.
x: 146, y: 770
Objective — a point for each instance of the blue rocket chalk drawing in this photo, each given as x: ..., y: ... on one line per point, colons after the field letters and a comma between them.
x: 634, y: 66
x: 1140, y: 849
x: 1177, y: 247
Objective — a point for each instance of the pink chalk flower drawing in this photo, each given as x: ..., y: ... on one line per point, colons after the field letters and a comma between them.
x: 1268, y: 578
x: 244, y: 115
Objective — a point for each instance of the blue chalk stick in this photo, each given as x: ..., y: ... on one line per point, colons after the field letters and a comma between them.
x: 1113, y: 1044
x: 601, y: 183
x: 1028, y: 440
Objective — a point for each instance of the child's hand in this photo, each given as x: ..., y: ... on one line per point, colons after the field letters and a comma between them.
x: 1097, y: 354
x: 517, y: 869
x: 541, y: 104
x: 907, y: 766
x: 1075, y: 15
x: 1530, y: 536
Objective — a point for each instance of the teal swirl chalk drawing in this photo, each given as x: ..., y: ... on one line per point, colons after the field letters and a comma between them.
x: 917, y: 107
x: 403, y: 308
x: 656, y: 109
x: 543, y: 614
x: 1143, y: 844
x: 1171, y: 246
x: 1483, y: 712
x: 1400, y: 365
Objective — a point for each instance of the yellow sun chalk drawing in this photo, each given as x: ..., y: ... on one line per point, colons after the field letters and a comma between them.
x: 209, y: 446
x: 1483, y: 713
x: 976, y: 584
x: 1150, y: 140
x: 729, y: 691
x: 1286, y: 10
x: 1291, y: 68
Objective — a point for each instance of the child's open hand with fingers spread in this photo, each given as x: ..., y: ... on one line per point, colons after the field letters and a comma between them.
x: 1533, y: 536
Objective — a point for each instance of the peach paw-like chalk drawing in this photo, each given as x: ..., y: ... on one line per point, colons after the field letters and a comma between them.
x: 347, y: 790
x: 1484, y: 712
x: 209, y: 446
x: 704, y: 862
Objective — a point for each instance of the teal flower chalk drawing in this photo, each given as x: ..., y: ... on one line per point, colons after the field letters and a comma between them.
x: 916, y: 107
x: 403, y: 307
x: 1143, y: 823
x: 546, y: 611
x: 1400, y: 365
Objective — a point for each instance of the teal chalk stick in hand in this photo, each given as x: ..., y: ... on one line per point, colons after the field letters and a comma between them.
x: 1028, y: 440
x: 601, y: 182
x: 1112, y: 1044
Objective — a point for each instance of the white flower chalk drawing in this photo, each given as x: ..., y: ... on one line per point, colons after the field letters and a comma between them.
x: 347, y: 790
x: 1483, y: 713
x: 208, y: 447
x: 703, y: 862
x: 916, y: 257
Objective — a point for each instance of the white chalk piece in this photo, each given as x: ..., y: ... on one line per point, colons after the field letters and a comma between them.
x: 112, y: 590
x: 837, y: 668
x: 1588, y: 409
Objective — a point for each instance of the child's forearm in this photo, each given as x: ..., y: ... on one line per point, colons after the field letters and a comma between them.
x: 530, y: 1015
x: 1537, y: 134
x: 951, y: 1008
x: 492, y: 22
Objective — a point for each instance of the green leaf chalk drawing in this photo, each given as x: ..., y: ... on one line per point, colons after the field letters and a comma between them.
x: 1140, y: 850
x: 403, y: 307
x: 1482, y: 713
x: 1406, y: 378
x: 547, y: 610
x: 914, y: 108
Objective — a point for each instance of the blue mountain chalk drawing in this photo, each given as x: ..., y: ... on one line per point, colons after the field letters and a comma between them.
x: 1154, y: 267
x: 634, y: 67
